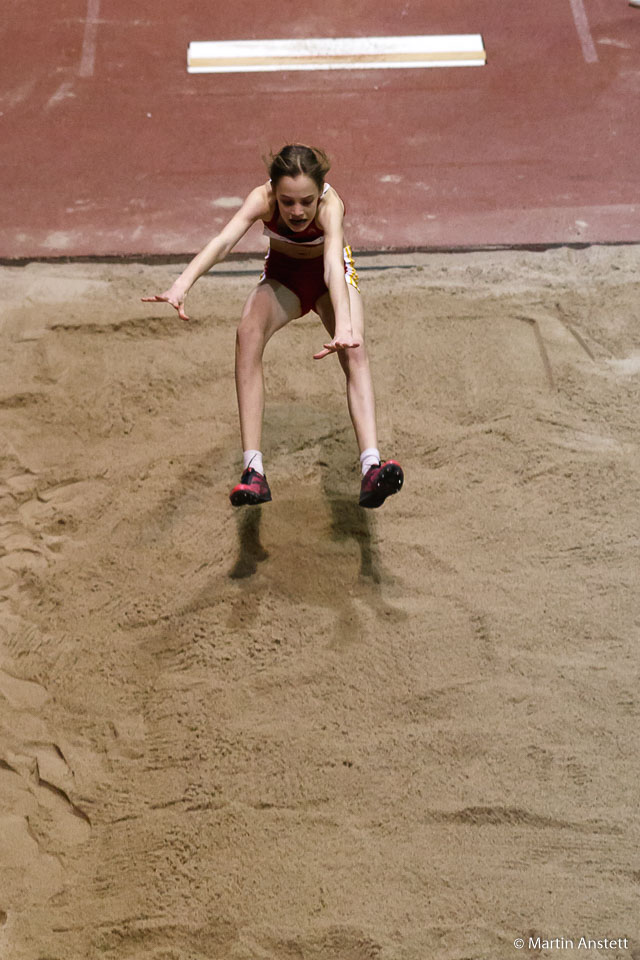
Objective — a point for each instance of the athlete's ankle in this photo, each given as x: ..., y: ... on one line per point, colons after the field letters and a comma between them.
x: 369, y: 458
x: 253, y: 459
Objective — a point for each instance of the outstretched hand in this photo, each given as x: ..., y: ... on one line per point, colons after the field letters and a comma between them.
x: 338, y: 343
x: 176, y: 301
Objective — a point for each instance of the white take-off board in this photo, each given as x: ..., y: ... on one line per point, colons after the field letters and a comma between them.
x: 345, y: 53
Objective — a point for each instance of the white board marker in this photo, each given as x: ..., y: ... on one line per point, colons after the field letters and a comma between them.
x: 346, y: 53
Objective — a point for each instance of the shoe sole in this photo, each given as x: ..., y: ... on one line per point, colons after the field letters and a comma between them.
x: 389, y: 482
x: 241, y: 498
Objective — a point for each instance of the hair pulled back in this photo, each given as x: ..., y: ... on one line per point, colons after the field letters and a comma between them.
x: 295, y: 159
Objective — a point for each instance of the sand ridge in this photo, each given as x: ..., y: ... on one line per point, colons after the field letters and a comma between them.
x: 306, y: 731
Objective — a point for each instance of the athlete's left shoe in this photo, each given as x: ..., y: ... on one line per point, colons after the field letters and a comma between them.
x: 252, y: 489
x: 379, y: 482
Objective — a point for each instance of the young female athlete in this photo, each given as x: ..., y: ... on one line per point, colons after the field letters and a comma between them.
x: 308, y: 267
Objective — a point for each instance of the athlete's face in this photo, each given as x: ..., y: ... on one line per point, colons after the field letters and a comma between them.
x: 297, y: 200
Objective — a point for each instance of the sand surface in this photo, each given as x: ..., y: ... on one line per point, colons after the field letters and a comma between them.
x: 307, y: 731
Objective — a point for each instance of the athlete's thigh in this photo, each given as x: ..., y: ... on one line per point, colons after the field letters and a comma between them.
x: 269, y: 307
x: 324, y: 309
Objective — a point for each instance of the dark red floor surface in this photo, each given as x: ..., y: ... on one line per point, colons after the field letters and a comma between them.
x: 134, y: 156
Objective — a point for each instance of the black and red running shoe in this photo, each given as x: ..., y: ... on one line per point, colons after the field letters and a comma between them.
x: 379, y: 482
x: 252, y: 489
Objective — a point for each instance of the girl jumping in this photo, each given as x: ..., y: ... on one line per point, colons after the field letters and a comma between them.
x: 308, y: 267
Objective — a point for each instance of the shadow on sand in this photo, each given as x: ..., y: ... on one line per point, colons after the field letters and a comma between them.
x: 350, y: 521
x: 251, y: 550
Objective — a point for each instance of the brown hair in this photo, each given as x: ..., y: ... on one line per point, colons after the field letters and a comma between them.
x: 295, y: 159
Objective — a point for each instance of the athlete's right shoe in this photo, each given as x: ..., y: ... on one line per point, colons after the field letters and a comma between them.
x: 379, y: 482
x: 252, y: 489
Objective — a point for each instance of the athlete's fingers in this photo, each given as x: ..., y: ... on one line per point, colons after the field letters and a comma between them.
x: 177, y: 305
x: 160, y: 298
x: 333, y: 347
x: 323, y: 353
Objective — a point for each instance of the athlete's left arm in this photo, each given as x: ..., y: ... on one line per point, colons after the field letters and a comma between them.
x: 330, y: 218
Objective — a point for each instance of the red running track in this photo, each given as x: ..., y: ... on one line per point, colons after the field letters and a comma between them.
x: 108, y: 146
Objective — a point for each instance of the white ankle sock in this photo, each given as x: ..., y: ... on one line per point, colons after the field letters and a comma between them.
x: 369, y: 458
x: 253, y: 458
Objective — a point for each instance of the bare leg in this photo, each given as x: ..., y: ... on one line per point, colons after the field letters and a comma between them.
x: 269, y: 307
x: 355, y: 364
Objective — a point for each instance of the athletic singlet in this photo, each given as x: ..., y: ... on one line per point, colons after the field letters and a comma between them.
x: 311, y: 236
x: 304, y: 277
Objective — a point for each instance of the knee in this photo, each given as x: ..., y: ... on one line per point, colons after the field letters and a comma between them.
x: 249, y: 335
x: 354, y: 359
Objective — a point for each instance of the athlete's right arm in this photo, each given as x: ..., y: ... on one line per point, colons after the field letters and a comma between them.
x: 255, y: 207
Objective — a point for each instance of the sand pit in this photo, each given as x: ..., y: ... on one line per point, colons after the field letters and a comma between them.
x: 306, y: 731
